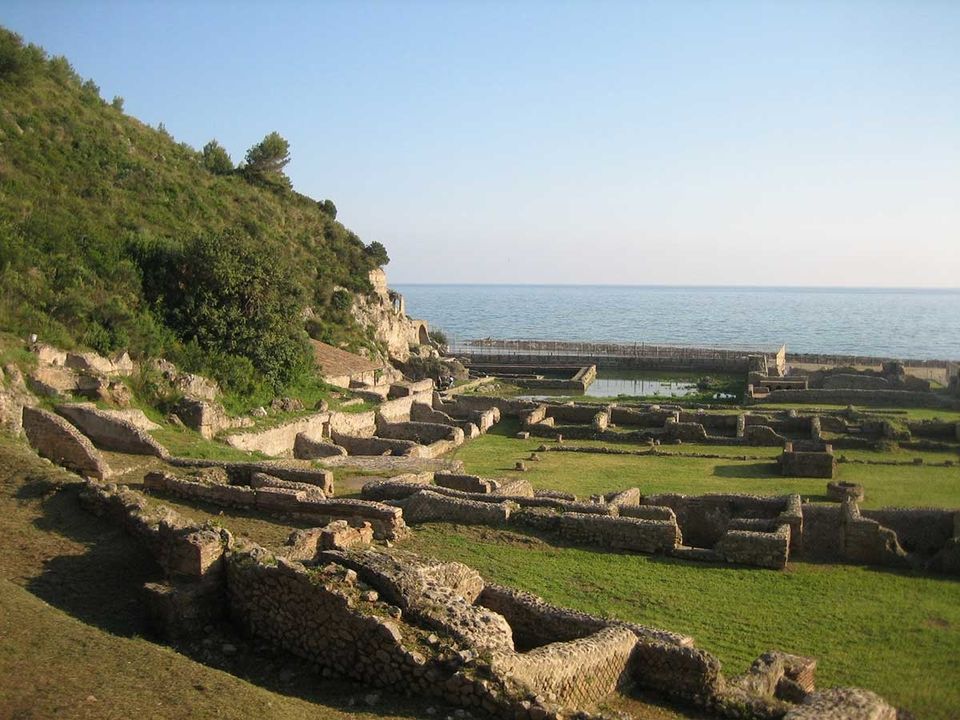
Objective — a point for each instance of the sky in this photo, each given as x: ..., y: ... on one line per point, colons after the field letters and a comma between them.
x: 675, y: 142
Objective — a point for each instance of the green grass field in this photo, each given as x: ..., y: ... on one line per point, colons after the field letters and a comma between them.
x: 494, y: 455
x: 896, y: 633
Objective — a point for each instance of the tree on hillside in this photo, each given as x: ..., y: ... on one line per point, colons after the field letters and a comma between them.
x: 265, y: 160
x: 377, y: 254
x: 328, y: 208
x: 216, y: 159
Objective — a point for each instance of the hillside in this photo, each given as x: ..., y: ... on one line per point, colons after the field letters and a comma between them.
x: 115, y: 236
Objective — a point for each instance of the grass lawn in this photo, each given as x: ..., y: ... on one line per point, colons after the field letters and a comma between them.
x: 895, y: 633
x: 495, y: 454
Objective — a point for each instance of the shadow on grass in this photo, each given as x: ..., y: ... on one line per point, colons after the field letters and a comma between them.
x: 767, y: 470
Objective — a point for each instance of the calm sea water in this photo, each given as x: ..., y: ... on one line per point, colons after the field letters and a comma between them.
x: 893, y: 323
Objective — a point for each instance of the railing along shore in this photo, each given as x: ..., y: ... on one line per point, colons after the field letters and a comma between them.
x: 502, y: 346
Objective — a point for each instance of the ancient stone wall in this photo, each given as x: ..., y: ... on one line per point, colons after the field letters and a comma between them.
x: 574, y: 414
x: 577, y: 672
x: 677, y: 671
x: 241, y: 472
x: 624, y: 415
x: 306, y: 447
x: 435, y: 629
x: 464, y: 483
x: 429, y: 506
x: 536, y: 622
x: 420, y: 432
x: 758, y: 548
x: 936, y: 429
x: 869, y: 542
x: 875, y: 398
x: 800, y: 463
x: 374, y: 445
x: 685, y: 431
x: 439, y: 597
x: 621, y: 533
x: 713, y: 422
x: 359, y: 424
x: 920, y: 530
x: 387, y: 521
x: 111, y: 433
x: 704, y: 519
x: 60, y: 442
x: 330, y: 626
x: 762, y: 435
x: 279, y: 441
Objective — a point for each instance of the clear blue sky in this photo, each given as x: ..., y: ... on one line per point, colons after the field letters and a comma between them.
x: 800, y: 143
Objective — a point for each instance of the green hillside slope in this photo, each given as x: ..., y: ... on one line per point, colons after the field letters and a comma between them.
x: 114, y: 236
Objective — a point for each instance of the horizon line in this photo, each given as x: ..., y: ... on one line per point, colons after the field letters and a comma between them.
x: 664, y: 285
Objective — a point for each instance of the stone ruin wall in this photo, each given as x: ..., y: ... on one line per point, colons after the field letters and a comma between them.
x: 353, y: 632
x: 284, y: 498
x: 60, y: 442
x: 875, y: 398
x: 109, y: 432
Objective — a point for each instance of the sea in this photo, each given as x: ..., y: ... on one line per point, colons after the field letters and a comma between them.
x: 898, y: 323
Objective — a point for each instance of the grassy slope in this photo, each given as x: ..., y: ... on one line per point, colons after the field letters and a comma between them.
x: 895, y: 633
x: 79, y: 180
x: 495, y: 454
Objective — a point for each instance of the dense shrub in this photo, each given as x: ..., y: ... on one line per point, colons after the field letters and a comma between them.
x: 232, y: 298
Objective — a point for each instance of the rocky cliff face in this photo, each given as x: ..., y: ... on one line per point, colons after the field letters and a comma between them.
x: 385, y: 312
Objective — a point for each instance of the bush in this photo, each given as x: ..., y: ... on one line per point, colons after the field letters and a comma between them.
x: 439, y: 338
x: 216, y: 159
x: 328, y: 208
x: 233, y: 298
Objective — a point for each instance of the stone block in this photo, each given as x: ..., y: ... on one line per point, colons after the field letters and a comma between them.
x: 60, y: 442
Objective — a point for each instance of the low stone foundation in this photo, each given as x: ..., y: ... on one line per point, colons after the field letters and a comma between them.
x: 807, y: 463
x: 276, y: 496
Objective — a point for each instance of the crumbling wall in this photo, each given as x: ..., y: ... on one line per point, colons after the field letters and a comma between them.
x: 60, y: 442
x: 536, y: 622
x: 241, y: 472
x: 622, y: 415
x: 279, y: 441
x: 358, y: 424
x: 685, y: 431
x: 622, y: 533
x: 920, y: 530
x: 111, y: 433
x: 355, y: 445
x: 420, y: 432
x: 803, y: 463
x: 578, y: 672
x: 428, y: 506
x: 874, y: 398
x: 464, y: 483
x: 758, y: 548
x: 704, y: 519
x: 387, y: 521
x: 330, y: 627
x: 574, y: 414
x: 306, y: 447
